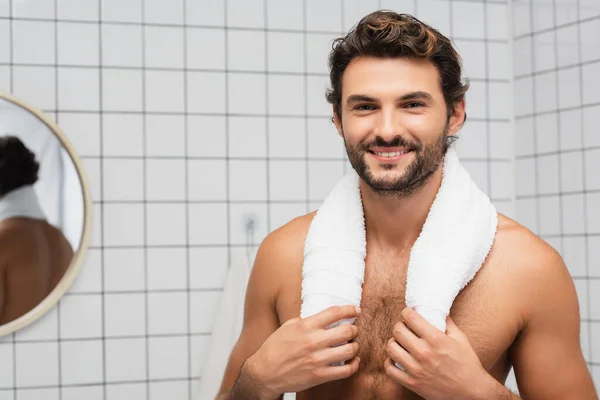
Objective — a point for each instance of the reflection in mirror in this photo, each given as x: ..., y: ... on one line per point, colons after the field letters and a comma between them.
x: 42, y: 212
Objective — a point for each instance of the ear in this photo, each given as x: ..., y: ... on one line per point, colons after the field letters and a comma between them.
x: 457, y: 118
x: 337, y: 122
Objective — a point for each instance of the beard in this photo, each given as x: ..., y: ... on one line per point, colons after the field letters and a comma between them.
x: 426, y: 160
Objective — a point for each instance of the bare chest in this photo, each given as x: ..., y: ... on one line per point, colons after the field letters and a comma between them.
x: 478, y: 311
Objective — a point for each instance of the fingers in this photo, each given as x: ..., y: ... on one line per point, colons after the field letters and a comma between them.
x: 406, y: 338
x: 418, y: 324
x: 396, y: 373
x: 340, y: 371
x: 331, y: 315
x: 337, y: 354
x: 339, y: 334
x: 401, y: 356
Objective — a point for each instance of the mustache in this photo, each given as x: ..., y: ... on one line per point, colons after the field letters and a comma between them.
x: 396, y: 142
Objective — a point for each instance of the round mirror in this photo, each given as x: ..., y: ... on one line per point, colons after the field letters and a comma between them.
x: 45, y: 214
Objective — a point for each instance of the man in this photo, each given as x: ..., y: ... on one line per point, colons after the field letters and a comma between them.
x: 34, y: 255
x: 398, y: 102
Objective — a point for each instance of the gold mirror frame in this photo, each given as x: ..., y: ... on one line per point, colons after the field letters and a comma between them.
x: 69, y: 277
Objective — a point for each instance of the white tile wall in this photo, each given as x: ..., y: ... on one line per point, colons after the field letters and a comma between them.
x: 180, y: 104
x: 557, y: 120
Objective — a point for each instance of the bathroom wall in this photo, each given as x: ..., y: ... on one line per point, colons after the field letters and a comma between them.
x: 557, y: 109
x: 192, y: 117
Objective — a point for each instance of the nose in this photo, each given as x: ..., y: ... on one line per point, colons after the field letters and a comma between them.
x: 388, y: 125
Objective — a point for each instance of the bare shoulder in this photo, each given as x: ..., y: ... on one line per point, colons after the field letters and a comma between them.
x: 282, y: 251
x: 535, y: 269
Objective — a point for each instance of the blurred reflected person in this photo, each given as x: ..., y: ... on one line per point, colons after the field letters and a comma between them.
x: 34, y: 255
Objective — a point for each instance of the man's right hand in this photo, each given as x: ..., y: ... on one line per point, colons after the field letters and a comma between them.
x: 300, y: 354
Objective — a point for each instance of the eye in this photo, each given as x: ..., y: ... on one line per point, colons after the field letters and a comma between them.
x: 364, y: 107
x: 414, y: 105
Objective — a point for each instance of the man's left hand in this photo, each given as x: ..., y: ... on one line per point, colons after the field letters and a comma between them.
x: 437, y: 365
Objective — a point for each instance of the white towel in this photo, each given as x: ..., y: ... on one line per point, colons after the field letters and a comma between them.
x: 455, y: 240
x: 21, y: 202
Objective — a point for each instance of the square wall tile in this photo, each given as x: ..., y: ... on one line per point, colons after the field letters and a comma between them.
x: 246, y: 13
x: 88, y: 279
x: 246, y: 50
x: 247, y: 137
x: 589, y: 33
x: 477, y: 100
x: 523, y: 96
x: 571, y: 166
x: 544, y: 46
x: 122, y: 10
x: 167, y: 313
x: 167, y: 224
x: 287, y: 137
x: 167, y: 268
x: 37, y: 394
x: 526, y: 176
x: 37, y: 364
x: 33, y: 42
x: 573, y: 218
x: 593, y: 251
x: 318, y: 46
x: 285, y: 52
x: 591, y: 124
x: 165, y: 180
x: 168, y: 357
x: 207, y: 180
x: 569, y: 89
x: 566, y: 12
x: 41, y: 9
x: 247, y: 93
x: 499, y: 100
x: 525, y: 137
x: 123, y: 179
x: 81, y: 316
x: 436, y: 13
x: 125, y: 314
x: 570, y: 125
x: 83, y: 10
x: 35, y: 85
x: 522, y: 56
x: 122, y: 135
x: 205, y: 48
x: 157, y: 128
x: 125, y: 360
x: 502, y: 180
x: 122, y: 44
x: 547, y: 172
x: 206, y: 92
x: 206, y: 136
x: 316, y: 101
x: 163, y: 46
x: 546, y: 137
x: 6, y: 365
x: 123, y: 224
x: 208, y: 224
x: 474, y: 58
x: 124, y: 270
x: 567, y: 45
x: 497, y: 19
x: 473, y: 13
x: 499, y: 61
x: 160, y: 12
x: 593, y: 212
x: 81, y: 362
x: 543, y: 14
x: 78, y: 89
x: 591, y: 77
x: 574, y: 248
x: 78, y: 44
x: 549, y: 214
x: 83, y: 131
x: 121, y: 90
x: 501, y: 138
x: 247, y: 180
x: 545, y: 92
x: 164, y: 91
x: 287, y: 180
x: 207, y: 12
x: 521, y: 17
x: 288, y: 14
x: 527, y: 210
x: 323, y: 16
x: 208, y: 267
x: 286, y: 95
x: 83, y: 392
x: 324, y: 140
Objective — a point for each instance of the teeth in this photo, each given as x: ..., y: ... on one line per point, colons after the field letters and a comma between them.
x: 394, y: 154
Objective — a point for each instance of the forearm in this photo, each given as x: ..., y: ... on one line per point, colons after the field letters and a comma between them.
x: 248, y: 387
x: 491, y: 389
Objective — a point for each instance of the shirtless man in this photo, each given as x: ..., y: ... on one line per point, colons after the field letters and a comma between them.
x: 34, y: 255
x: 396, y: 87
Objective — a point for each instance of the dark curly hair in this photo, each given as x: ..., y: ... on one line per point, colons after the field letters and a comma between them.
x: 389, y: 34
x: 18, y: 166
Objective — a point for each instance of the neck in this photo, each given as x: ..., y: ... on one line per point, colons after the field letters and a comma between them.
x: 397, y: 222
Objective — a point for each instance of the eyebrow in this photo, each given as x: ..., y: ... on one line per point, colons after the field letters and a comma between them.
x: 356, y: 98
